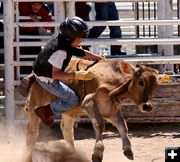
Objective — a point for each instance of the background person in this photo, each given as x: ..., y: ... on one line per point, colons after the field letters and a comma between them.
x: 82, y: 10
x: 38, y: 12
x: 107, y: 11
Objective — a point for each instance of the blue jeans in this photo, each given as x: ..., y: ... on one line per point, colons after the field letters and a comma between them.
x: 107, y: 11
x: 67, y: 98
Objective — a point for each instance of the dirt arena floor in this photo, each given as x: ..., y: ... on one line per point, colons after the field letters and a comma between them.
x: 148, y: 141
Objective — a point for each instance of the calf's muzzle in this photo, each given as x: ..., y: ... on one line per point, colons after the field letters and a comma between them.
x: 147, y: 107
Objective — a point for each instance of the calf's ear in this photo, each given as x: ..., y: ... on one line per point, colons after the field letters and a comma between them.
x: 126, y: 67
x: 120, y: 90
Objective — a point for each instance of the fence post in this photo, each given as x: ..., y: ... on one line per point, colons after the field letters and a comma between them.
x: 70, y: 9
x: 8, y: 54
x: 165, y: 11
x: 60, y: 11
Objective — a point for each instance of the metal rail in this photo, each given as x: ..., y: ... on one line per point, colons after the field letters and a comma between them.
x: 133, y: 59
x: 88, y: 1
x: 104, y: 23
x: 107, y: 41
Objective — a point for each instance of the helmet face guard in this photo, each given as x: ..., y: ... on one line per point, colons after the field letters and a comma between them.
x: 73, y: 28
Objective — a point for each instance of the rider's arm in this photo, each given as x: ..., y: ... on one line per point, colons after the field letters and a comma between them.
x: 57, y: 74
x: 91, y: 56
x: 86, y: 54
x: 60, y: 75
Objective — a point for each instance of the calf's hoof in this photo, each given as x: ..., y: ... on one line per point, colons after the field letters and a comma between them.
x: 96, y: 158
x: 129, y: 154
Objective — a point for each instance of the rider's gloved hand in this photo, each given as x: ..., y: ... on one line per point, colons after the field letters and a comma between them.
x: 83, y: 75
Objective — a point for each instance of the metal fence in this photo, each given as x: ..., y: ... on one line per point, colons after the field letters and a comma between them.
x: 147, y: 33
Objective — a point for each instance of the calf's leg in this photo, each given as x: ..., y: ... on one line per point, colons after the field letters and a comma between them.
x: 118, y: 121
x: 32, y: 129
x: 98, y: 125
x: 67, y: 123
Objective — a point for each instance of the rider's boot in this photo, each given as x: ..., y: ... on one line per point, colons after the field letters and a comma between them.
x: 25, y: 84
x: 45, y: 114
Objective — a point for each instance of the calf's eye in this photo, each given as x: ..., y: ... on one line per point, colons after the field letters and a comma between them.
x: 141, y: 83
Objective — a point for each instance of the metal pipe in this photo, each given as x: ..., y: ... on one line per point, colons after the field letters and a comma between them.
x: 137, y: 18
x: 155, y: 17
x: 133, y: 59
x: 88, y: 1
x: 9, y: 73
x: 108, y: 41
x: 149, y: 17
x: 143, y: 17
x: 105, y: 23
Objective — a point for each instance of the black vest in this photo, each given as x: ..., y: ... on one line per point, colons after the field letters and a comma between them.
x: 42, y: 67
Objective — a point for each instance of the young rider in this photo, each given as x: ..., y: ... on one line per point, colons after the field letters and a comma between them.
x: 51, y: 62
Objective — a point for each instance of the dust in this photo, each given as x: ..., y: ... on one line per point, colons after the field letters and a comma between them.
x: 148, y: 143
x: 57, y: 151
x: 13, y: 148
x: 12, y: 143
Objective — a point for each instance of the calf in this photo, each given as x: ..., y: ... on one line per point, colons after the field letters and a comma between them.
x: 101, y: 98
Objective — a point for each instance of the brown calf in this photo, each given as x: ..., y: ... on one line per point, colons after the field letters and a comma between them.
x: 101, y: 98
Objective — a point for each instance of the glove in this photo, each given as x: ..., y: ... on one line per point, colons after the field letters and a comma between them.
x: 83, y: 75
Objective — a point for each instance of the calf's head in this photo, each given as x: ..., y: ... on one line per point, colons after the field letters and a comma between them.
x: 144, y: 81
x: 140, y: 85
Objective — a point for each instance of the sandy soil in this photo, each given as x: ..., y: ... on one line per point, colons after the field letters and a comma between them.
x: 148, y: 141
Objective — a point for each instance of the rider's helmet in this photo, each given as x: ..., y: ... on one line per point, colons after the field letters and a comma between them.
x: 73, y: 28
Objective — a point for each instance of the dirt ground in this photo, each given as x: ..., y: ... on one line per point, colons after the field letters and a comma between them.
x: 148, y: 141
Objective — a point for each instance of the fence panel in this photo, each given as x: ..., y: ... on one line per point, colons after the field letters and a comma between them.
x: 146, y: 29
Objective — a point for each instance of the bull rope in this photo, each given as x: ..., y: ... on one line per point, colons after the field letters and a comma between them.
x: 82, y: 82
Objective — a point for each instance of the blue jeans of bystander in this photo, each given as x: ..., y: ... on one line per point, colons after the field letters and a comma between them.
x: 107, y: 11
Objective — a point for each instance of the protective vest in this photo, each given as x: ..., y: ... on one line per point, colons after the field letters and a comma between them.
x: 42, y: 67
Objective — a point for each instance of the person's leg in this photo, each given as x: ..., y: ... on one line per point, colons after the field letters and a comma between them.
x: 82, y: 10
x: 115, y: 31
x: 67, y: 99
x: 101, y: 14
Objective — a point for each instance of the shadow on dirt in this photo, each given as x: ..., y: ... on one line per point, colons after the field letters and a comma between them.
x: 152, y: 130
x: 85, y: 131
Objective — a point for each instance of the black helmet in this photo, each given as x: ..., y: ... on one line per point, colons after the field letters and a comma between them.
x: 73, y: 28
